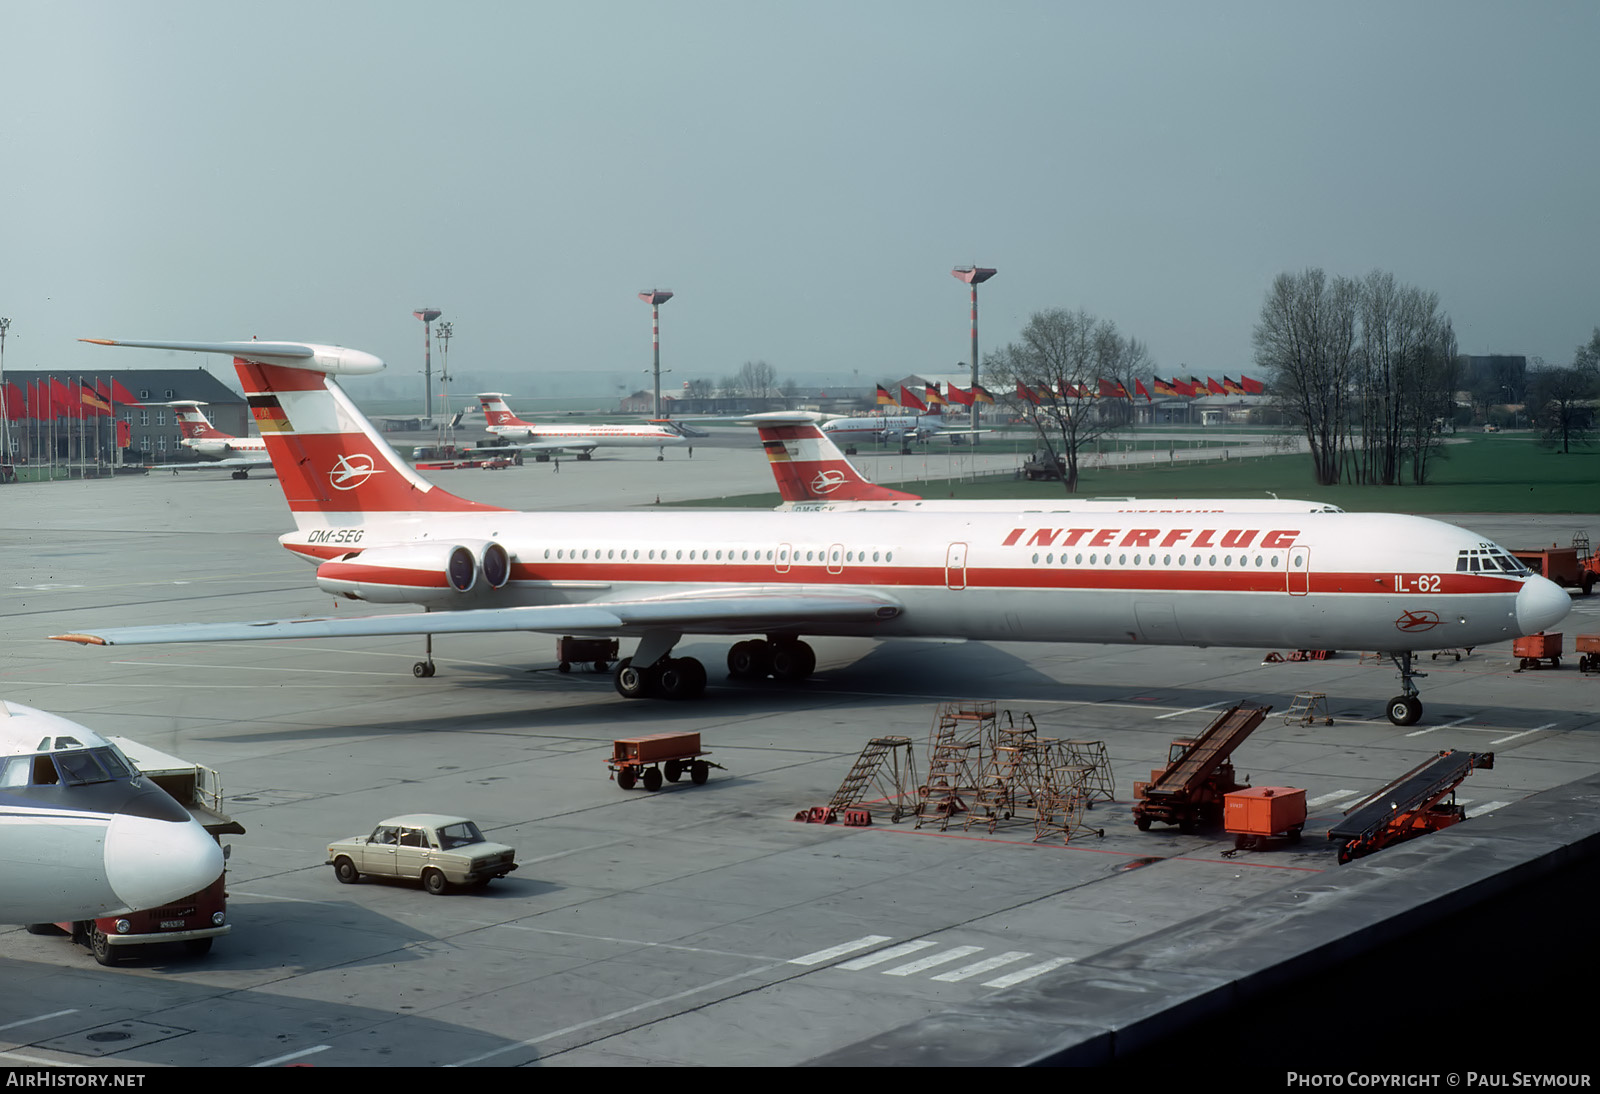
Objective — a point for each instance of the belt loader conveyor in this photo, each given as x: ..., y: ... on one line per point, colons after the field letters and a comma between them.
x: 1408, y: 807
x: 1190, y: 791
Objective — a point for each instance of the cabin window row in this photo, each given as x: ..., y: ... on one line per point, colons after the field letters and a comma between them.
x: 1096, y: 559
x: 786, y: 555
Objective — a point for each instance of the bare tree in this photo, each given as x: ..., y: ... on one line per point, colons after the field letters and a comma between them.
x: 758, y: 380
x: 1060, y: 355
x: 1305, y: 341
x: 1561, y: 400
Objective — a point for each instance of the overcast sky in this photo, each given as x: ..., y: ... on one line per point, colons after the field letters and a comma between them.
x: 802, y: 175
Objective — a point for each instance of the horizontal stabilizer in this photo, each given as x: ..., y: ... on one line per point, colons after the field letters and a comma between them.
x: 302, y: 355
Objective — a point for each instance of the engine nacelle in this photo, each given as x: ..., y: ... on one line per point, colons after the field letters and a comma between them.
x: 430, y: 574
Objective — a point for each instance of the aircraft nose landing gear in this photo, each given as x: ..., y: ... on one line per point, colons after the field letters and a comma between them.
x: 1405, y: 709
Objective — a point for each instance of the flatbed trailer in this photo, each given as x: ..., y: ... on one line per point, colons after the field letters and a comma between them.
x: 1198, y: 776
x: 636, y: 759
x: 1411, y: 806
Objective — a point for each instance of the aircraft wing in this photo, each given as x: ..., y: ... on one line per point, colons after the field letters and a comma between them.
x: 232, y: 463
x: 545, y: 446
x: 712, y: 611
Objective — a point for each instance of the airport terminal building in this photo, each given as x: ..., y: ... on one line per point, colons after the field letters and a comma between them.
x: 72, y: 417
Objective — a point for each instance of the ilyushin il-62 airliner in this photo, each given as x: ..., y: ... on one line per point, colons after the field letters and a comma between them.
x: 378, y: 531
x: 82, y: 833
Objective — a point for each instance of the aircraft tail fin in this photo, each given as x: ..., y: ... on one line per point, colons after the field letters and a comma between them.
x: 809, y: 467
x: 193, y: 425
x: 495, y: 410
x: 333, y: 465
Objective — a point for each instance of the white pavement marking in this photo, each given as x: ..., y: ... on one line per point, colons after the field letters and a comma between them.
x: 885, y: 955
x: 934, y: 960
x: 276, y: 1060
x: 1337, y: 795
x: 988, y: 964
x: 1028, y: 973
x: 1486, y: 807
x: 531, y: 1041
x: 1524, y: 733
x: 38, y: 1018
x: 840, y: 950
x: 1191, y: 710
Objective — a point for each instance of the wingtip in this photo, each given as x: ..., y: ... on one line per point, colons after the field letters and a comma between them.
x: 99, y: 341
x: 81, y: 639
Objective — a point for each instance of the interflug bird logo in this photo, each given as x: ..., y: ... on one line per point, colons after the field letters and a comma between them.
x: 827, y: 481
x: 1424, y: 620
x: 351, y: 471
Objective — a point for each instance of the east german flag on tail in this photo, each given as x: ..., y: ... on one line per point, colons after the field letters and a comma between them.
x: 269, y: 416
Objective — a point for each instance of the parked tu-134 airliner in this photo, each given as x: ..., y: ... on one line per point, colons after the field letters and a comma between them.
x: 82, y: 833
x: 378, y: 531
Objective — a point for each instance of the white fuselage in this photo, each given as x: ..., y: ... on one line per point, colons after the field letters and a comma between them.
x: 1306, y: 580
x: 890, y: 425
x: 591, y: 436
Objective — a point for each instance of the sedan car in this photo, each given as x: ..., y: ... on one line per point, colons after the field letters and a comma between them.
x: 438, y: 850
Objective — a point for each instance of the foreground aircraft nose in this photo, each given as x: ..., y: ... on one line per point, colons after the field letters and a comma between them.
x: 150, y: 861
x: 1541, y: 604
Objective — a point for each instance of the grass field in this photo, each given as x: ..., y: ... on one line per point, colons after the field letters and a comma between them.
x: 1494, y: 473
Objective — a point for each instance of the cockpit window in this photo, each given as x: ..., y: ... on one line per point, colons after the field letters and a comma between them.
x: 90, y: 765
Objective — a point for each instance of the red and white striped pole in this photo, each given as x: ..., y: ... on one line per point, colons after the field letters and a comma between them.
x: 655, y: 298
x: 974, y: 276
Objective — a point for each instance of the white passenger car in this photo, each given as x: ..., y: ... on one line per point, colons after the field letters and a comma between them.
x: 438, y: 850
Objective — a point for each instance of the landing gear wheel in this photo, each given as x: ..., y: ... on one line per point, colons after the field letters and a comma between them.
x: 240, y: 475
x: 652, y: 779
x: 422, y: 670
x: 1405, y: 710
x: 632, y: 683
x: 793, y: 660
x: 682, y: 678
x: 104, y: 952
x: 434, y: 882
x: 346, y: 871
x: 749, y: 660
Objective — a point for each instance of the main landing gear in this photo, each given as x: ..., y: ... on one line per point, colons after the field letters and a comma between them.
x: 665, y: 677
x: 785, y: 658
x: 1405, y: 709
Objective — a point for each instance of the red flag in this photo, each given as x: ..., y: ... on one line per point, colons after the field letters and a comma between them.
x: 1026, y: 393
x: 124, y: 434
x: 1215, y: 388
x: 1110, y: 390
x: 16, y: 405
x: 959, y: 397
x: 1139, y: 389
x: 1251, y: 387
x: 910, y: 401
x: 61, y: 399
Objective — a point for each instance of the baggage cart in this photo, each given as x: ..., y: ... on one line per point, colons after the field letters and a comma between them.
x: 1256, y: 815
x: 1534, y: 650
x: 600, y: 653
x: 646, y: 759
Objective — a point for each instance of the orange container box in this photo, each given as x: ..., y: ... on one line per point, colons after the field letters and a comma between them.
x: 1263, y: 810
x: 655, y: 748
x: 1537, y: 645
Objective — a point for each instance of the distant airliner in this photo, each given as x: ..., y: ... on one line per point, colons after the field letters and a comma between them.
x: 218, y: 449
x: 582, y: 439
x: 1315, y: 580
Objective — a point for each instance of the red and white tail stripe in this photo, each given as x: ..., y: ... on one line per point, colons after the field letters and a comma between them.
x: 810, y: 467
x: 495, y: 410
x: 193, y: 425
x: 333, y: 466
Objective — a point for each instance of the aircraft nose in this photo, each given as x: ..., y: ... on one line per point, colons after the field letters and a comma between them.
x: 151, y: 861
x: 1541, y: 604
